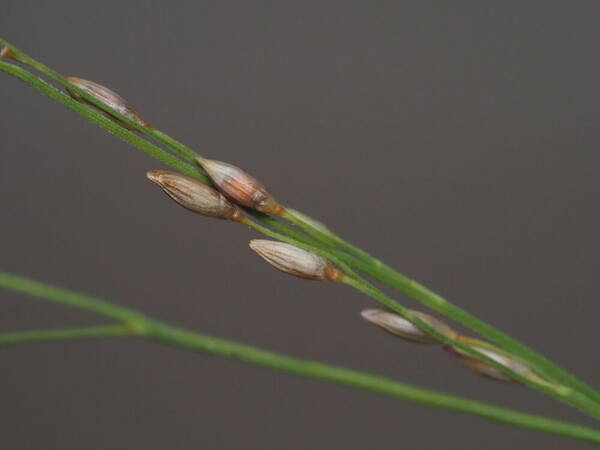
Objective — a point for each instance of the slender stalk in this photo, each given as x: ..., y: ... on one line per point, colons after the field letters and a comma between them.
x: 345, y: 252
x: 72, y: 299
x: 372, y: 267
x: 29, y: 337
x: 300, y: 220
x: 188, y: 340
x: 366, y: 263
x: 196, y: 342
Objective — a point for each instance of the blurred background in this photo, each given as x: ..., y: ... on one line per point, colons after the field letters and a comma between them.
x: 456, y: 141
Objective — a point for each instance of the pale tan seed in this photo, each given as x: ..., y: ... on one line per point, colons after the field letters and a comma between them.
x: 194, y: 195
x: 399, y: 326
x: 107, y: 96
x: 295, y: 261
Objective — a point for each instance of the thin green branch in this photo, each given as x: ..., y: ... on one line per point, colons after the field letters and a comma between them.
x: 33, y: 336
x: 370, y: 266
x: 196, y: 342
x: 50, y: 293
x: 338, y: 375
x: 347, y: 253
x: 360, y: 259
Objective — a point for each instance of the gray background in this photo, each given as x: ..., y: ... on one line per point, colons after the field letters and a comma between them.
x: 458, y: 141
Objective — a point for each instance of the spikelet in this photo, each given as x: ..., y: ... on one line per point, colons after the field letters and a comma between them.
x: 485, y: 369
x: 240, y: 187
x: 399, y: 326
x: 295, y: 261
x: 109, y: 98
x: 193, y: 195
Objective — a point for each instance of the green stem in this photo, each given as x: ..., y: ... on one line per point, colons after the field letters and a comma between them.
x: 348, y: 253
x: 50, y: 293
x: 312, y: 227
x: 28, y: 337
x: 370, y: 266
x: 196, y: 342
x: 360, y: 259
